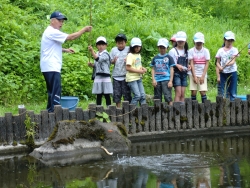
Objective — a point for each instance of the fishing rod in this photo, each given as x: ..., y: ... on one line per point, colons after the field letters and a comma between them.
x: 90, y: 23
x: 235, y: 55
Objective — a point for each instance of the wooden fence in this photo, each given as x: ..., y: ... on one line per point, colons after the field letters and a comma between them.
x: 158, y: 118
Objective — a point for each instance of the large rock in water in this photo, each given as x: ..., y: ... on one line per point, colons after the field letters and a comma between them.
x: 78, y: 141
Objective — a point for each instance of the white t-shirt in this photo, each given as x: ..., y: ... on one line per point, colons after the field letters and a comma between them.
x: 225, y: 57
x: 51, y: 50
x: 199, y: 57
x: 174, y: 54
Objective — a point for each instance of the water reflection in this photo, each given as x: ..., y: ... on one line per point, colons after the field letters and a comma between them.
x: 186, y: 163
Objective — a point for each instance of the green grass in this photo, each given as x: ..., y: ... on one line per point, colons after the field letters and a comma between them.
x: 38, y: 106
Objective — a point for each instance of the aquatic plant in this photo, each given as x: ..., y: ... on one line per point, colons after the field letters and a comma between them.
x: 30, y: 132
x: 103, y: 117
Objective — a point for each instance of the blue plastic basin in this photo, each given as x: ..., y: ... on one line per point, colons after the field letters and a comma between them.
x: 242, y: 97
x: 69, y: 102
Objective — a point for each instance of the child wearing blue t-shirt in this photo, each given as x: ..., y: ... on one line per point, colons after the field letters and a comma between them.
x: 163, y: 72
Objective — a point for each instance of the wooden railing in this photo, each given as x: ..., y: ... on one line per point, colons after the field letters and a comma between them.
x: 158, y: 118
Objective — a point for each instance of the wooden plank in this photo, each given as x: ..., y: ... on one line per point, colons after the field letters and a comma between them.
x: 238, y: 110
x: 151, y: 115
x: 207, y: 106
x: 177, y: 115
x: 189, y: 110
x: 232, y: 113
x: 132, y: 117
x: 92, y: 110
x: 79, y: 114
x: 145, y: 118
x: 125, y: 110
x: 157, y: 106
x: 201, y: 116
x: 183, y: 117
x: 9, y: 127
x: 219, y: 110
x: 164, y: 116
x: 244, y: 112
x: 196, y: 114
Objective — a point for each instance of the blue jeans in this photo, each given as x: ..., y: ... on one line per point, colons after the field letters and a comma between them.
x: 230, y: 81
x: 180, y: 79
x: 137, y: 89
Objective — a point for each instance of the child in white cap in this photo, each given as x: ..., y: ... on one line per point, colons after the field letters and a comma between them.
x: 226, y: 63
x: 180, y: 55
x: 118, y: 56
x: 135, y: 70
x: 199, y: 60
x: 162, y: 72
x: 102, y: 82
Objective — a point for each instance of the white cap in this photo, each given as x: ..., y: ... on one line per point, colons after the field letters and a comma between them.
x: 135, y: 42
x: 181, y: 36
x: 103, y: 39
x: 163, y: 42
x: 199, y: 37
x: 229, y: 35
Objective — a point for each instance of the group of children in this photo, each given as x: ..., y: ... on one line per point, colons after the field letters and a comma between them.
x: 169, y: 70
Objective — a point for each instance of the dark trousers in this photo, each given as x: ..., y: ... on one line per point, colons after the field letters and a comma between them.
x: 53, y: 83
x: 99, y: 99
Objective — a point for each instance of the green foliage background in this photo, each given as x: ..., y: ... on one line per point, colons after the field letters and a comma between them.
x: 23, y: 22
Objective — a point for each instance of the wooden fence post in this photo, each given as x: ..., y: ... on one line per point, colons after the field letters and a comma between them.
x: 132, y: 118
x: 79, y: 113
x: 219, y: 110
x: 22, y: 114
x: 157, y: 107
x: 201, y: 116
x: 177, y: 115
x: 151, y: 115
x: 145, y: 118
x: 232, y: 113
x: 189, y: 109
x: 45, y: 122
x: 3, y: 134
x: 171, y: 116
x: 125, y: 111
x: 164, y: 116
x: 52, y: 123
x: 213, y: 115
x: 65, y: 114
x: 195, y: 114
x: 16, y: 125
x: 238, y: 110
x: 119, y: 114
x: 226, y: 111
x: 58, y: 113
x: 112, y: 110
x: 244, y: 112
x: 208, y: 108
x: 9, y: 127
x: 92, y: 110
x: 183, y: 116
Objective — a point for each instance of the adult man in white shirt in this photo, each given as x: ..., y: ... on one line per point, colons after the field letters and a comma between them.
x: 51, y: 56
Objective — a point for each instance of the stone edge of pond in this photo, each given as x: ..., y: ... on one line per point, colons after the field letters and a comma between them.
x: 190, y: 133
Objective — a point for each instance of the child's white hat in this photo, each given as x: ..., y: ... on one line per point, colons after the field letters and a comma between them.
x: 181, y: 36
x: 229, y: 35
x: 163, y: 42
x: 99, y: 39
x: 199, y: 37
x: 135, y: 42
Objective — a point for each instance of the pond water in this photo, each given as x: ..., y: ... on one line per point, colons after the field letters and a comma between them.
x: 184, y: 163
